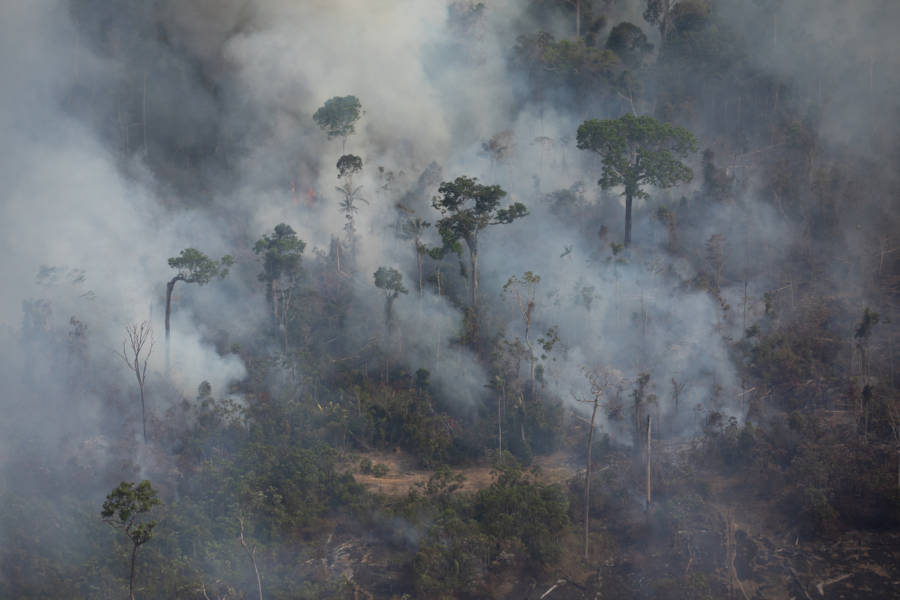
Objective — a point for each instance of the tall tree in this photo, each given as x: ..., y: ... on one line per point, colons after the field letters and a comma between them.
x: 389, y: 280
x: 413, y: 228
x: 524, y: 290
x: 349, y: 165
x: 629, y: 43
x: 193, y: 266
x: 136, y: 350
x: 338, y: 117
x: 124, y: 509
x: 638, y: 151
x: 468, y: 208
x: 281, y: 252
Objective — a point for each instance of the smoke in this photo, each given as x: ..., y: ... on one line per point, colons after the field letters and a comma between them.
x: 131, y: 131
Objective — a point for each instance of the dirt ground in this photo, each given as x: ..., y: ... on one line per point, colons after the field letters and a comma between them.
x: 404, y: 472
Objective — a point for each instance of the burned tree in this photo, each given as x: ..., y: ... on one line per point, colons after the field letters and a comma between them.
x: 136, y: 350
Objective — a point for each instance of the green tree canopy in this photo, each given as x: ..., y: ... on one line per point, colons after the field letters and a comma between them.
x: 281, y: 252
x: 469, y: 207
x: 638, y: 151
x: 338, y: 116
x: 124, y: 509
x: 194, y: 266
x: 390, y: 280
x: 629, y: 43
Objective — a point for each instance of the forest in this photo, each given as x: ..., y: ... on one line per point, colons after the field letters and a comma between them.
x: 449, y: 299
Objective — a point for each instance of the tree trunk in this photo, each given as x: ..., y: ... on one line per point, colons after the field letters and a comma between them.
x: 587, y: 485
x: 251, y: 552
x: 577, y: 20
x: 649, y: 436
x: 500, y: 427
x: 629, y: 193
x: 143, y: 411
x: 274, y: 292
x: 131, y: 579
x: 419, y: 268
x: 473, y: 254
x: 170, y: 287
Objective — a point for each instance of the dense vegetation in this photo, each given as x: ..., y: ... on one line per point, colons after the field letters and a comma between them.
x: 724, y: 334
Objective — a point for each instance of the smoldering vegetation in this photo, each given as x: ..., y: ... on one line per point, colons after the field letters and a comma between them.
x: 762, y: 290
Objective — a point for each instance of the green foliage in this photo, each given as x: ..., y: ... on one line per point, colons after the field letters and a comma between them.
x: 124, y: 509
x: 338, y: 116
x: 390, y: 280
x: 454, y: 555
x: 194, y: 266
x: 386, y: 418
x: 281, y: 252
x: 629, y: 43
x: 349, y: 164
x: 517, y: 506
x: 637, y: 151
x: 565, y: 62
x: 469, y: 207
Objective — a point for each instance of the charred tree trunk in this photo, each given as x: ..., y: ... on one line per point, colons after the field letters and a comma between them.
x: 587, y: 485
x: 649, y: 437
x: 629, y: 195
x: 131, y: 578
x: 170, y: 287
x: 473, y: 255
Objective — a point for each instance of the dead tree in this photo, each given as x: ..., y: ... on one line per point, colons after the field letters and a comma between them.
x: 251, y: 552
x: 136, y: 350
x: 600, y: 381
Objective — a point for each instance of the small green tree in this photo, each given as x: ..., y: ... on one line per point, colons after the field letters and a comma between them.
x: 338, y: 116
x: 391, y: 281
x: 281, y: 252
x: 413, y: 229
x: 124, y: 509
x: 638, y: 151
x: 193, y: 266
x: 468, y: 208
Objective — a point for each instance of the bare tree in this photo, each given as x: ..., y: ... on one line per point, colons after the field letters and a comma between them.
x: 524, y: 290
x: 251, y: 552
x: 136, y: 350
x: 600, y: 381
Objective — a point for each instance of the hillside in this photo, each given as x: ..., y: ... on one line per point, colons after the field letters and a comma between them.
x: 544, y: 299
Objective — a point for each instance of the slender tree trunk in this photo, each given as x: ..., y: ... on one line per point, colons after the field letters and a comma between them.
x: 274, y: 292
x: 251, y: 552
x: 500, y: 427
x: 629, y: 193
x: 419, y: 268
x: 649, y: 437
x: 473, y: 254
x: 143, y: 410
x: 587, y: 485
x: 131, y: 579
x: 577, y: 19
x: 170, y: 287
x: 144, y: 115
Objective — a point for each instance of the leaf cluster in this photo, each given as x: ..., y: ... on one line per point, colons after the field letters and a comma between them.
x: 638, y: 150
x: 196, y: 267
x: 124, y: 506
x: 281, y: 252
x: 468, y: 207
x: 338, y: 116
